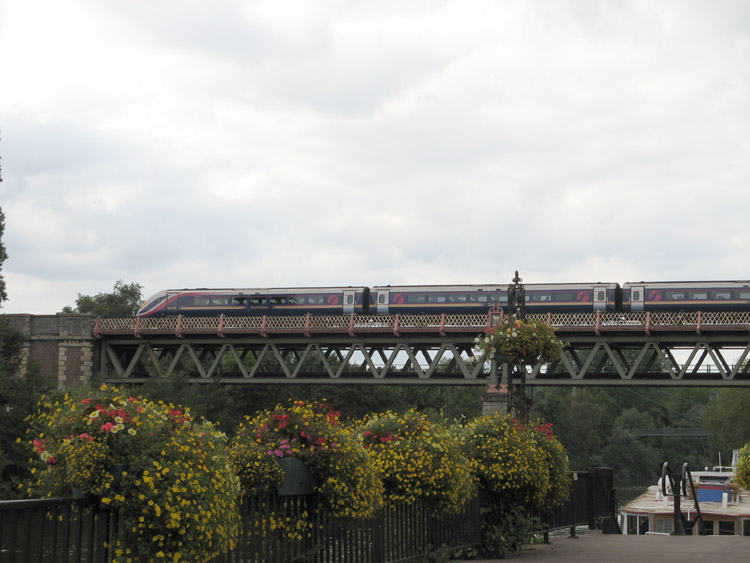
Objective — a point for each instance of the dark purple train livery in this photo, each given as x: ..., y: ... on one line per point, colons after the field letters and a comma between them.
x: 451, y: 299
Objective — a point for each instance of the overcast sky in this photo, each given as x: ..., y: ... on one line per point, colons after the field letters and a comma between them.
x: 261, y: 144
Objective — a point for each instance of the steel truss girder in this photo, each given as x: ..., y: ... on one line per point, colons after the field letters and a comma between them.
x: 695, y: 361
x: 295, y: 360
x: 593, y: 360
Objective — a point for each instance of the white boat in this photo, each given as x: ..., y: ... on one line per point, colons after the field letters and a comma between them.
x: 721, y: 504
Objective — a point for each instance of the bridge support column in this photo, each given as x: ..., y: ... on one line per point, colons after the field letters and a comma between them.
x: 63, y: 346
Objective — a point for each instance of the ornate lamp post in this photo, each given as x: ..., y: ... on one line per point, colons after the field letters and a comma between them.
x: 518, y: 402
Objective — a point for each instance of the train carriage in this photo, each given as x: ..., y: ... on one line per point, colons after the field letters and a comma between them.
x: 686, y: 296
x: 258, y: 302
x: 467, y: 299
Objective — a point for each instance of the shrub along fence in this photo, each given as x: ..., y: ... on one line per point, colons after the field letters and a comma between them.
x: 77, y: 530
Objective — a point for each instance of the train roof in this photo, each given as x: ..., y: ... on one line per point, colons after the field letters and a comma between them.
x: 491, y: 287
x: 250, y: 290
x: 705, y: 283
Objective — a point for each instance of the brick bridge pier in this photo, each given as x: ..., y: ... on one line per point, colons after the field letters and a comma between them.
x: 62, y: 345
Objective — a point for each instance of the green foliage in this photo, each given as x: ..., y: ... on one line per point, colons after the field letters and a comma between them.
x: 520, y: 341
x: 729, y: 417
x: 595, y: 427
x: 523, y: 464
x: 124, y: 301
x: 18, y: 398
x: 3, y: 258
x: 168, y: 473
x: 505, y: 530
x: 418, y: 461
x: 742, y: 474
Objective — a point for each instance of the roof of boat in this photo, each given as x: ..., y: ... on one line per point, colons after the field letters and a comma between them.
x: 648, y: 503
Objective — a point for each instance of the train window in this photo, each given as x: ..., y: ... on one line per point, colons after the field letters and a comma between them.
x: 702, y: 295
x: 277, y: 300
x: 723, y: 295
x: 636, y: 295
x: 381, y: 298
x: 744, y: 295
x: 291, y: 300
x: 675, y: 295
x: 564, y: 297
x: 220, y: 301
x: 415, y: 298
x: 257, y: 301
x: 482, y: 298
x: 600, y: 296
x: 239, y: 301
x: 546, y: 297
x: 200, y: 301
x: 349, y: 299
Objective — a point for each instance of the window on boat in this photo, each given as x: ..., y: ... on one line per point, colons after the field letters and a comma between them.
x: 637, y: 525
x: 664, y: 525
x: 709, y: 525
x: 726, y: 527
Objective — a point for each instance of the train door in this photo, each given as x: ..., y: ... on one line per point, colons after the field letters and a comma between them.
x: 382, y: 301
x: 600, y: 298
x: 636, y: 297
x: 349, y: 300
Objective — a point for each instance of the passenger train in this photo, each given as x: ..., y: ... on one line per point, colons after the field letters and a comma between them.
x: 452, y: 299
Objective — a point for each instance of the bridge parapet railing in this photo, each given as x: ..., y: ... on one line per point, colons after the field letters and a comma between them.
x: 566, y: 323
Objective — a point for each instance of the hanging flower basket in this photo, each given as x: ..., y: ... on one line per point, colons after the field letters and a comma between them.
x: 518, y: 342
x: 298, y: 477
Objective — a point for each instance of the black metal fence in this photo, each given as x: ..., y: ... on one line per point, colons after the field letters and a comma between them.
x: 69, y: 530
x: 78, y: 530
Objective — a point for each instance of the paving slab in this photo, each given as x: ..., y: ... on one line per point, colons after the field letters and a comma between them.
x: 595, y: 546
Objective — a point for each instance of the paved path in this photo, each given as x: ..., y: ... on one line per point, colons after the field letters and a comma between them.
x: 595, y: 546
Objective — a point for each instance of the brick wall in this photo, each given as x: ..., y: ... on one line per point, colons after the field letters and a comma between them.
x: 63, y: 345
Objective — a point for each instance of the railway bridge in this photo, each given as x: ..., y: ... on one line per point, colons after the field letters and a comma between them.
x: 602, y: 349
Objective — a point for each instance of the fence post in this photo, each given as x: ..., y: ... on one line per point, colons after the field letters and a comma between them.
x: 378, y: 538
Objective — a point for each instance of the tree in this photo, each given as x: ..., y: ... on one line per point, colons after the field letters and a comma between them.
x: 3, y: 257
x: 124, y: 301
x: 728, y: 416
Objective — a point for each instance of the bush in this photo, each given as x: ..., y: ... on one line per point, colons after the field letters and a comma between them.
x: 168, y: 474
x: 345, y: 477
x: 418, y: 461
x: 523, y: 464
